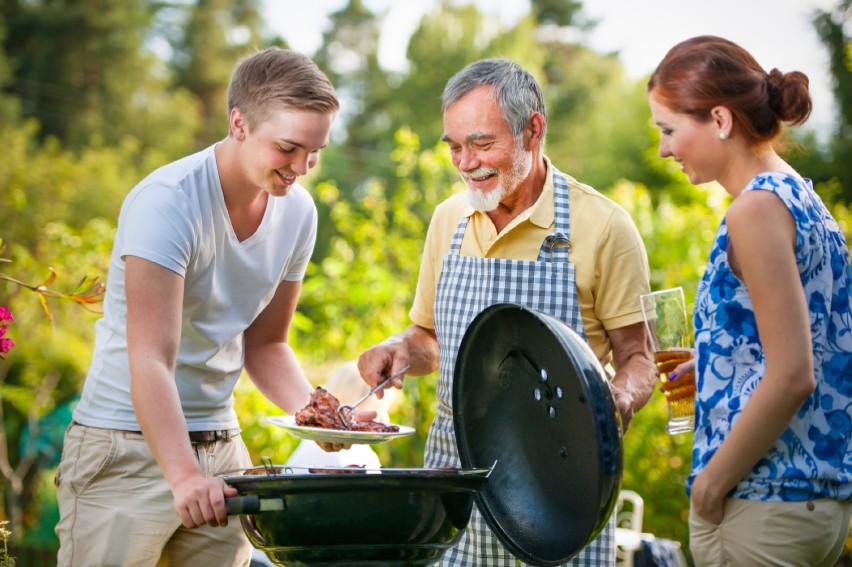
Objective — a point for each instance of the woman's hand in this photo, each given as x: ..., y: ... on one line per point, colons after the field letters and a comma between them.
x: 705, y: 502
x: 681, y: 370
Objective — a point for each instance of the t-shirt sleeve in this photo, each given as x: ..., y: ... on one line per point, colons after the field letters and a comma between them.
x: 155, y: 226
x: 304, y: 248
x: 621, y: 270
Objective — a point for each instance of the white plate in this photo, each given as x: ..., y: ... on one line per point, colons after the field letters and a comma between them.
x: 288, y: 422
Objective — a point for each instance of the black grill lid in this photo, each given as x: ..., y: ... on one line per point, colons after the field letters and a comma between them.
x: 529, y: 393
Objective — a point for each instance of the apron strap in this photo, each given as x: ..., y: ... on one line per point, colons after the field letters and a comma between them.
x: 557, y: 245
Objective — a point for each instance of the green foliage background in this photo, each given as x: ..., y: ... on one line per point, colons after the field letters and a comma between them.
x: 95, y: 96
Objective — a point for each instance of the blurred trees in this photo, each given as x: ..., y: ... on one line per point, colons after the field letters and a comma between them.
x: 833, y: 28
x: 215, y: 35
x: 828, y: 161
x: 76, y: 64
x: 80, y: 70
x: 94, y: 95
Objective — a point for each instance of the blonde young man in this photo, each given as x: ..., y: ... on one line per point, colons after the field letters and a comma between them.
x: 517, y: 206
x: 204, y: 278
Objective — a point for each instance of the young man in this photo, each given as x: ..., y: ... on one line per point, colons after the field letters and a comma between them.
x: 517, y: 211
x: 204, y: 278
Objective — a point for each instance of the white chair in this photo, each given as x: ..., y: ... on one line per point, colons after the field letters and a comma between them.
x: 629, y: 536
x: 628, y: 526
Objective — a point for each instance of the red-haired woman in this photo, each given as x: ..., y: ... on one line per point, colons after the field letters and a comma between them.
x: 771, y: 480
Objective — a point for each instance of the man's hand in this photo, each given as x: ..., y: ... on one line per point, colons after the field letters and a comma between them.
x: 200, y: 501
x: 416, y: 347
x: 378, y: 362
x: 624, y: 403
x: 636, y: 373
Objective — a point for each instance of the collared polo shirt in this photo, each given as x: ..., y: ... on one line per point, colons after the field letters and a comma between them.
x: 608, y: 253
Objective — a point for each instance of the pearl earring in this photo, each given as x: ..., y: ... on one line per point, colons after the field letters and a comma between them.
x: 723, y: 136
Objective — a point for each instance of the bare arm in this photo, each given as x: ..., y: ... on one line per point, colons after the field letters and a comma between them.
x: 635, y: 373
x: 762, y: 236
x: 417, y: 346
x: 154, y: 302
x: 270, y: 362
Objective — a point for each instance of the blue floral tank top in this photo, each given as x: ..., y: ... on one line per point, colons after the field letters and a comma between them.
x: 812, y: 458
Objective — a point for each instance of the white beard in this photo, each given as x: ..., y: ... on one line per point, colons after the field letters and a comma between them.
x: 485, y: 202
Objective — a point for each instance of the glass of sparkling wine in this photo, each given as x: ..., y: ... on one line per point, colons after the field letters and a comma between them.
x: 670, y: 333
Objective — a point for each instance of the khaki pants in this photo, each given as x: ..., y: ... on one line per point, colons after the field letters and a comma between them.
x: 756, y: 533
x: 117, y: 510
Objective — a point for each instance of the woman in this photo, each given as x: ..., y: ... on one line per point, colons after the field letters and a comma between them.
x: 771, y: 482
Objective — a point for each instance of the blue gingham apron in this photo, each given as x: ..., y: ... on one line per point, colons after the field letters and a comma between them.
x: 467, y: 286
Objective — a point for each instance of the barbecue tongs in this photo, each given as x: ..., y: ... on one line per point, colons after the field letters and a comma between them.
x: 345, y: 417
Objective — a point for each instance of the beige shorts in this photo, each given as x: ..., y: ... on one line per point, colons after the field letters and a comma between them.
x: 757, y: 533
x: 117, y: 510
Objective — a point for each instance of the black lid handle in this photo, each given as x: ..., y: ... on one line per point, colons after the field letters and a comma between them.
x: 237, y: 505
x: 252, y: 504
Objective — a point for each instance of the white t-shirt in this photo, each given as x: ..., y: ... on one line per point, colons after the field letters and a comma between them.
x: 176, y: 217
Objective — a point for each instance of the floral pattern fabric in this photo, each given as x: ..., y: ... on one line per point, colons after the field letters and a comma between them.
x: 812, y: 458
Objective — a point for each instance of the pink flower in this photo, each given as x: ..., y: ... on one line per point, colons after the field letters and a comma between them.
x: 5, y: 344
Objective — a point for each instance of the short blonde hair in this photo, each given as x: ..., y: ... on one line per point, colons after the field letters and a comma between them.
x: 279, y: 78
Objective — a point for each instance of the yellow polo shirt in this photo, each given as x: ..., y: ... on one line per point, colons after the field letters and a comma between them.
x: 611, y: 265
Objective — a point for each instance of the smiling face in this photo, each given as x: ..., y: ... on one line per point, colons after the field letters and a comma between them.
x: 492, y: 162
x: 694, y: 145
x: 281, y: 148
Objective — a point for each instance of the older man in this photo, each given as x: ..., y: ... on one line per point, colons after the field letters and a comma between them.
x: 581, y: 255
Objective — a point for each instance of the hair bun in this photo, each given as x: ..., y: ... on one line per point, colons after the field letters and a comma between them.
x: 789, y: 96
x: 775, y: 79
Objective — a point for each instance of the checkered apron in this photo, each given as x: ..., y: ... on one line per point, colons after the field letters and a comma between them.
x: 466, y: 287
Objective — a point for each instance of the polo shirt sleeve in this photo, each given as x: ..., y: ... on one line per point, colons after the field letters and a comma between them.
x: 422, y: 311
x: 439, y: 236
x: 621, y: 271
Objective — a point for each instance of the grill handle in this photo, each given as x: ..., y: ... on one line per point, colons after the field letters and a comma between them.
x: 252, y: 504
